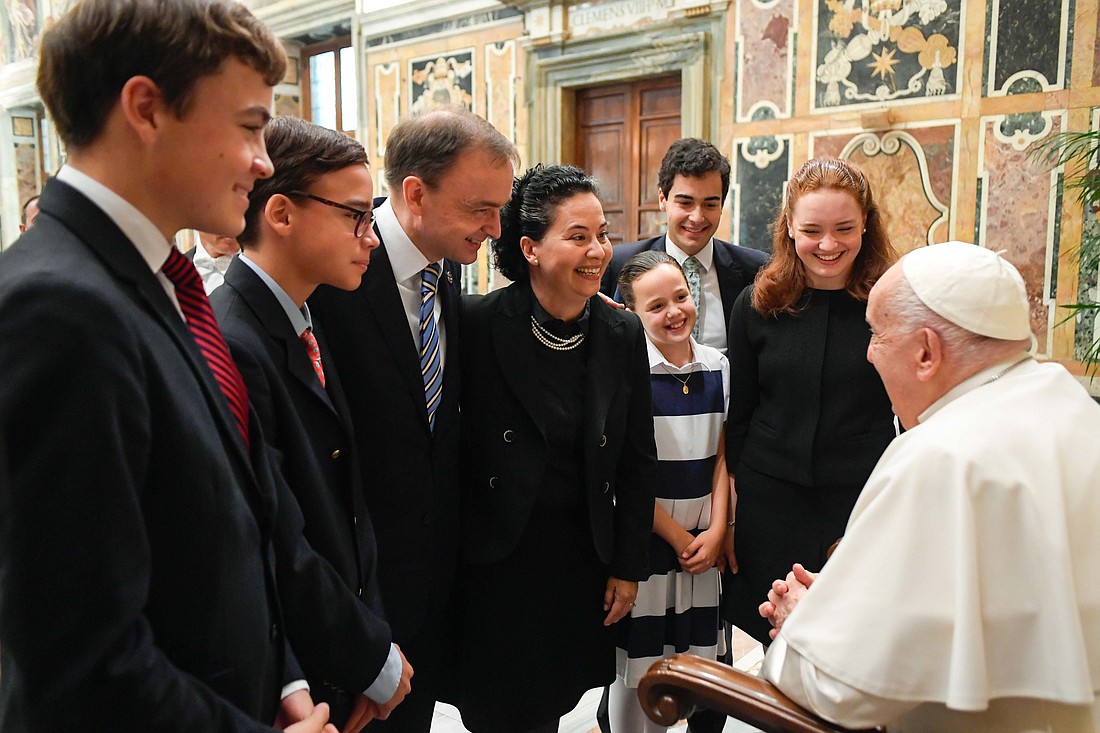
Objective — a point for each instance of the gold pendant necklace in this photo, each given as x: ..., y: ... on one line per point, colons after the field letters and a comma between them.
x: 683, y: 381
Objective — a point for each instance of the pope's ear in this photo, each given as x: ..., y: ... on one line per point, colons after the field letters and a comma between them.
x: 929, y: 356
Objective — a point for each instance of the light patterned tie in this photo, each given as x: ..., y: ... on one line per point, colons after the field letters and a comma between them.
x: 314, y: 352
x: 204, y: 329
x: 692, y: 271
x: 429, y: 341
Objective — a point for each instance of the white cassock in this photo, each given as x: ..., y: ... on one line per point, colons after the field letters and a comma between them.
x: 965, y: 595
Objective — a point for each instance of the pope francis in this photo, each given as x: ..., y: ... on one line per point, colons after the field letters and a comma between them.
x: 965, y: 595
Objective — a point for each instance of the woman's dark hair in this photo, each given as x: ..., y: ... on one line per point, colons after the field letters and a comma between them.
x: 536, y: 196
x: 639, y: 265
x: 780, y: 285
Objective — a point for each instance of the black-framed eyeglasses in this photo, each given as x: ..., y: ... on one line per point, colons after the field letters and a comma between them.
x: 362, y: 223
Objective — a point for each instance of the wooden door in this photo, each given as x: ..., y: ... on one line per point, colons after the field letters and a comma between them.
x: 622, y: 133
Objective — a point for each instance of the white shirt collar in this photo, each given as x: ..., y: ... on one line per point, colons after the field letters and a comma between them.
x: 656, y: 358
x: 979, y: 379
x: 300, y: 320
x: 206, y: 261
x: 406, y: 259
x: 705, y: 255
x: 146, y: 238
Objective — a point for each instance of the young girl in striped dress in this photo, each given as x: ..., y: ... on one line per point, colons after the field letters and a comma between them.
x: 677, y: 607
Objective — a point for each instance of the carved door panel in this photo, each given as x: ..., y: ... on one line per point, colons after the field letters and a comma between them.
x: 622, y: 132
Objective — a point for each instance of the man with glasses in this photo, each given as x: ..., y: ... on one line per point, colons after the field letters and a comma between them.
x: 308, y: 224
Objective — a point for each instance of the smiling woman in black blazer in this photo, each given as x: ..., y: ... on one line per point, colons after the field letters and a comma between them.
x: 558, y: 463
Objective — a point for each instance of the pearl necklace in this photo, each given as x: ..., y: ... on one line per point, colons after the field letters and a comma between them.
x: 552, y: 341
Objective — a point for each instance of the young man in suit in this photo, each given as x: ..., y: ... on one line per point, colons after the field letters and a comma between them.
x: 139, y: 517
x: 693, y: 182
x: 309, y: 224
x: 449, y: 173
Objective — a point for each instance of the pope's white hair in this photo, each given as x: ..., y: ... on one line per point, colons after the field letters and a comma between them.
x: 966, y: 347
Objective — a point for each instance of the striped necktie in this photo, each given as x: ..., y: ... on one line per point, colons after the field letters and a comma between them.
x: 314, y: 352
x: 430, y: 367
x: 694, y: 278
x: 204, y: 329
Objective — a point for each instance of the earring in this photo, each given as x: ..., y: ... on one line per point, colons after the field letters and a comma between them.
x: 535, y: 262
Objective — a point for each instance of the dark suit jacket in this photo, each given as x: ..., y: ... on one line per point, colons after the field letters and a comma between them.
x: 410, y: 473
x: 504, y: 439
x: 136, y: 573
x: 736, y: 268
x: 309, y: 429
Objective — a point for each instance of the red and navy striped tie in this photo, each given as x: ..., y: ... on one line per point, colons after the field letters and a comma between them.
x: 204, y: 329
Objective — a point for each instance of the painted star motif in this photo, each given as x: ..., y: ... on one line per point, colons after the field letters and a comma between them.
x: 883, y: 64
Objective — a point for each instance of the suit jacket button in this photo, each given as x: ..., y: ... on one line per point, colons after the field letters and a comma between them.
x: 274, y: 631
x: 606, y: 486
x: 603, y: 440
x: 360, y: 592
x: 493, y: 482
x: 508, y: 436
x: 426, y: 520
x: 336, y: 453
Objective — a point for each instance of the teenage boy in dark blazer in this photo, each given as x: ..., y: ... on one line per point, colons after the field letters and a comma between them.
x: 309, y: 224
x: 449, y: 173
x: 137, y: 509
x: 692, y: 184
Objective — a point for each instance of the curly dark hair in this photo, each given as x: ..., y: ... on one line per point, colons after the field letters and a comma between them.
x: 536, y: 196
x: 692, y: 158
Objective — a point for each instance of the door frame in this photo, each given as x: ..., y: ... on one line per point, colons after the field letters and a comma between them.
x: 553, y: 78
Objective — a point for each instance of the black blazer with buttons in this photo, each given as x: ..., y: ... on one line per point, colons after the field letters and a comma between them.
x: 503, y: 432
x: 736, y: 267
x: 309, y: 430
x: 137, y: 586
x: 410, y: 473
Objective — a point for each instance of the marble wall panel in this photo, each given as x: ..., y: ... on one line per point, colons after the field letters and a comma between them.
x: 442, y: 81
x: 761, y: 168
x: 27, y: 172
x: 500, y: 86
x: 879, y: 51
x: 1096, y: 56
x: 911, y: 172
x: 765, y: 58
x: 288, y: 104
x: 1027, y: 46
x: 386, y: 93
x: 1018, y: 202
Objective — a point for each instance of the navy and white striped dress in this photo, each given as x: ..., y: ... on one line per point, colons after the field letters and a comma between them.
x: 676, y: 611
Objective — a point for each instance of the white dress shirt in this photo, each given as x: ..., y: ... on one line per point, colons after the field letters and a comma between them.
x: 408, y: 263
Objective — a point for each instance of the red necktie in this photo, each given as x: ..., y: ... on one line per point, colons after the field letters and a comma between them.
x: 204, y: 329
x: 314, y: 352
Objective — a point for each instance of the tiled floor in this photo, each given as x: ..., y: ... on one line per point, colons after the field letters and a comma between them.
x: 747, y: 655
